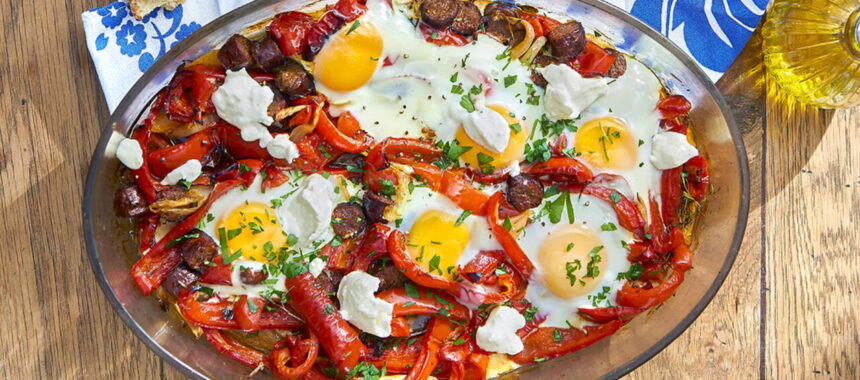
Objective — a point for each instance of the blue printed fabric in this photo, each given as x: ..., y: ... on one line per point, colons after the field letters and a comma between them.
x: 713, y: 32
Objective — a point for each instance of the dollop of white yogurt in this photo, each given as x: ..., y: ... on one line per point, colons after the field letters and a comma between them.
x: 670, y: 150
x: 487, y: 127
x: 282, y: 147
x: 244, y: 103
x: 316, y: 266
x: 499, y: 333
x: 130, y: 154
x: 307, y: 215
x: 189, y: 171
x: 359, y: 305
x: 568, y: 93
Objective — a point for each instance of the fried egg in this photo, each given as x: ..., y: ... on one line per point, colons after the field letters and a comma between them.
x: 576, y: 264
x: 415, y: 88
x: 440, y: 235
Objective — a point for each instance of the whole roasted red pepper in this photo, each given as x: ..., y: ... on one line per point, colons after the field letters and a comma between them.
x: 202, y: 146
x: 235, y: 350
x: 543, y: 343
x: 337, y: 337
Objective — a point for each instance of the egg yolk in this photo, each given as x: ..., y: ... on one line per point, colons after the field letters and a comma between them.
x: 437, y: 243
x: 572, y: 258
x: 254, y: 230
x: 513, y: 152
x: 607, y: 143
x: 350, y: 57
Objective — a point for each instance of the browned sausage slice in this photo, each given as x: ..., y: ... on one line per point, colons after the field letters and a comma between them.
x: 619, y: 66
x: 181, y: 278
x: 252, y: 276
x: 389, y: 276
x: 524, y: 192
x: 374, y: 207
x: 468, y: 19
x: 499, y: 22
x: 197, y: 250
x: 236, y: 53
x: 129, y: 201
x: 567, y: 40
x: 293, y: 80
x: 348, y: 220
x: 267, y: 54
x: 439, y: 13
x: 541, y: 61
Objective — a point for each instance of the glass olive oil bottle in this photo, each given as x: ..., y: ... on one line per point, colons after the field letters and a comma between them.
x: 811, y: 49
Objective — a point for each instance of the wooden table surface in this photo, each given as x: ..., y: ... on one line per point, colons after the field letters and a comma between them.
x: 789, y: 308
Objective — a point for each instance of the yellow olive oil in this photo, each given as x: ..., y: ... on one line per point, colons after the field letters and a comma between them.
x: 811, y: 49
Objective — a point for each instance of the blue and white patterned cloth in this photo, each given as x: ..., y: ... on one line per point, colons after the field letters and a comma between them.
x: 713, y: 32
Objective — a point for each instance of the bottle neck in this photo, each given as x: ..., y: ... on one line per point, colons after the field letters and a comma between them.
x: 852, y: 33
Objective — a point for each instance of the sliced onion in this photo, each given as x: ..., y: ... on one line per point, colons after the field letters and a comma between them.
x: 533, y: 51
x: 524, y: 45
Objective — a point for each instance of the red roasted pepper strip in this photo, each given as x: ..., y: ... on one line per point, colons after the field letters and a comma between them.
x: 647, y: 298
x: 562, y: 167
x: 697, y: 180
x: 594, y: 60
x: 399, y: 359
x: 281, y: 355
x: 373, y: 246
x: 543, y: 343
x: 146, y: 226
x: 517, y: 256
x: 247, y: 312
x: 607, y: 314
x: 238, y: 147
x: 289, y: 30
x: 275, y: 177
x: 216, y: 313
x: 401, y: 150
x: 455, y: 186
x: 143, y: 176
x: 438, y: 331
x: 152, y: 269
x: 235, y: 350
x: 198, y: 147
x: 480, y: 270
x: 628, y: 214
x: 314, y: 153
x: 444, y: 37
x: 359, y: 142
x: 405, y: 304
x: 218, y: 274
x: 673, y: 106
x: 337, y: 337
x: 670, y: 195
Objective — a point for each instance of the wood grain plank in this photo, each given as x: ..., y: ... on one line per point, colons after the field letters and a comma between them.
x: 813, y: 210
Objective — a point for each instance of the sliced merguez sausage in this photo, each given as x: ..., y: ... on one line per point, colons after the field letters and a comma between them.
x: 524, y: 192
x: 468, y: 19
x: 439, y: 13
x: 293, y: 80
x: 236, y: 53
x: 541, y: 61
x: 252, y: 276
x: 619, y: 66
x: 567, y: 40
x: 267, y: 54
x: 374, y: 207
x: 129, y: 202
x: 197, y: 251
x: 347, y: 160
x: 181, y: 278
x: 500, y: 23
x: 348, y: 219
x: 389, y: 276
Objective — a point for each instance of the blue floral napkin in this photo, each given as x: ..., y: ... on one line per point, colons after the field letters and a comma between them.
x: 713, y: 32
